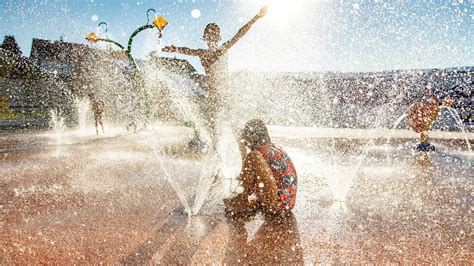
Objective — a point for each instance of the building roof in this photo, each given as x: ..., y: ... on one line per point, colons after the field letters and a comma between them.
x: 174, y: 65
x: 58, y: 50
x: 67, y: 52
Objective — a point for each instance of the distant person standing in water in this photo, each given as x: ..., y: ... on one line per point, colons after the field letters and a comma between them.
x: 214, y: 62
x: 98, y: 110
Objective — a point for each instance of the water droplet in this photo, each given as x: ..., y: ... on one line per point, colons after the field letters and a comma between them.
x: 239, y: 189
x: 196, y: 13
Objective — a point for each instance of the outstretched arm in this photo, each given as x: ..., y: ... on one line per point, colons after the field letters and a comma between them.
x: 182, y: 50
x: 245, y: 28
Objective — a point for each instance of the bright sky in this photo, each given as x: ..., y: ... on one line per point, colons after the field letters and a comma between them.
x: 296, y: 35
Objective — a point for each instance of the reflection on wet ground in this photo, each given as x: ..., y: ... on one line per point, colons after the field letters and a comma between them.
x: 277, y: 240
x: 104, y: 199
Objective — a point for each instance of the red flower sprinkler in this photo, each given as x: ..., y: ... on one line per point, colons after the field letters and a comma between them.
x: 421, y: 118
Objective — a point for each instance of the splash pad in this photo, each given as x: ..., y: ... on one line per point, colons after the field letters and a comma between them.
x: 117, y: 179
x: 154, y: 194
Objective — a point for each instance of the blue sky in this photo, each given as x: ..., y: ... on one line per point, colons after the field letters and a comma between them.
x: 296, y: 35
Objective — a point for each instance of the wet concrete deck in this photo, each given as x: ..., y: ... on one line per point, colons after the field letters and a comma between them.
x: 88, y: 199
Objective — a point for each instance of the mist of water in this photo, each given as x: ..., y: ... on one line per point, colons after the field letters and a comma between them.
x: 459, y: 123
x: 57, y: 125
x: 82, y: 111
x: 175, y: 185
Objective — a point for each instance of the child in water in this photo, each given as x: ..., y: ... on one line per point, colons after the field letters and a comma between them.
x: 268, y: 175
x: 98, y: 110
x: 214, y: 62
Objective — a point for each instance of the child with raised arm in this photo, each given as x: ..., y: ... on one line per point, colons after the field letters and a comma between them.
x: 214, y: 62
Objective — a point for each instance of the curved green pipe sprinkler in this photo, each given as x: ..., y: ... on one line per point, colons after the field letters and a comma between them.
x: 130, y: 41
x: 159, y: 22
x: 94, y: 38
x: 107, y: 39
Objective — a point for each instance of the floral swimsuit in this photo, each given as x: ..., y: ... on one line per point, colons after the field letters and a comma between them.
x: 284, y: 173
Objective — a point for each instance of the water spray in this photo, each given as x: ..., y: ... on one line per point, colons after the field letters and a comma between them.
x: 159, y: 23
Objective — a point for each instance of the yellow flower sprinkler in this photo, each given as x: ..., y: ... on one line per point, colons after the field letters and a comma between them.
x: 92, y: 37
x: 160, y: 22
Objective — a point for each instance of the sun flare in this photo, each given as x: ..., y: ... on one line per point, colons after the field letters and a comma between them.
x: 281, y: 12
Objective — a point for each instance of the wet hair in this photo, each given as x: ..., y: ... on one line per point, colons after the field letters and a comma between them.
x: 212, y: 32
x: 256, y: 132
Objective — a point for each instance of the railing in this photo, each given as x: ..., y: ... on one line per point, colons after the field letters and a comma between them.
x: 25, y: 116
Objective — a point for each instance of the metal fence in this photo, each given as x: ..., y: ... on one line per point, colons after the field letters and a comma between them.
x: 20, y: 116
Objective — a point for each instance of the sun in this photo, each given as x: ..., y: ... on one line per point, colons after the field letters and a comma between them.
x: 281, y: 12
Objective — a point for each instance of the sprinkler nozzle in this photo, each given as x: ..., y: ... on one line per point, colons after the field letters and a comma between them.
x: 92, y: 37
x: 160, y: 22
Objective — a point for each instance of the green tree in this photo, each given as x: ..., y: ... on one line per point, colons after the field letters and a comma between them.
x: 10, y: 44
